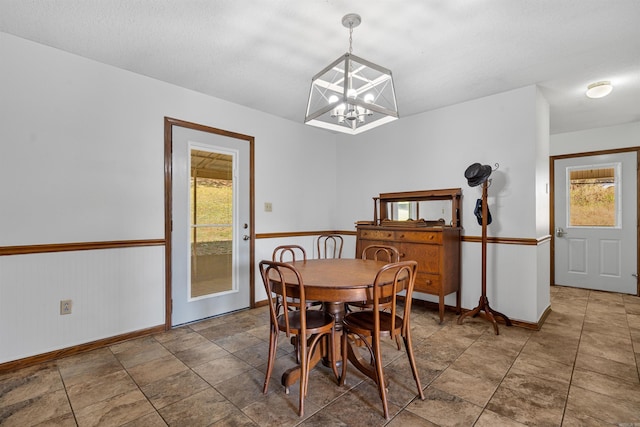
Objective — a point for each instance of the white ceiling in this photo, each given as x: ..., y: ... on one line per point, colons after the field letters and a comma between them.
x: 263, y: 53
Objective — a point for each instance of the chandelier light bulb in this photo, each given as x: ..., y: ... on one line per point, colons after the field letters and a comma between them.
x: 368, y: 98
x: 599, y: 89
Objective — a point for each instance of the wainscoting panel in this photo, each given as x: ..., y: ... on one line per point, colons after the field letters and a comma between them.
x: 113, y: 291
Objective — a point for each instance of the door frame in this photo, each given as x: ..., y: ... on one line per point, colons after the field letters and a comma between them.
x: 552, y: 221
x: 169, y: 123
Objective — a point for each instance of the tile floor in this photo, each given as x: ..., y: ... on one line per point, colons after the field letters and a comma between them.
x: 581, y: 369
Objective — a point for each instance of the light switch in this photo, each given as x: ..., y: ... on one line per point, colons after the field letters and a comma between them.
x: 268, y: 207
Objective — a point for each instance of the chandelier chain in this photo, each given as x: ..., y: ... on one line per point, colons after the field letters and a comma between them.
x: 350, y: 38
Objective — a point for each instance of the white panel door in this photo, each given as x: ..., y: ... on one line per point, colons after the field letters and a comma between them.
x: 210, y: 256
x: 596, y: 222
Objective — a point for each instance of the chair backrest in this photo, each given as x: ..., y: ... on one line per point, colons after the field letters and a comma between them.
x: 329, y: 246
x: 381, y: 253
x: 286, y: 253
x: 390, y: 280
x: 283, y: 283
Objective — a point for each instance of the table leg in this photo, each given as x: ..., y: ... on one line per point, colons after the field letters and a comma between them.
x: 292, y: 375
x: 362, y: 365
x: 338, y: 312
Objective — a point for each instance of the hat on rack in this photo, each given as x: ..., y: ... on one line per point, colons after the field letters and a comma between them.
x: 476, y: 174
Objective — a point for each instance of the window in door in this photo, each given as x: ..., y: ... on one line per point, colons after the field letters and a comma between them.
x: 594, y: 199
x: 211, y: 213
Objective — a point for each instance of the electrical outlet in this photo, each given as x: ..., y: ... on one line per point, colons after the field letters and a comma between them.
x: 65, y: 306
x: 268, y: 207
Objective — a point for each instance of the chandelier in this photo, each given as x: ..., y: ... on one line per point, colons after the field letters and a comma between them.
x: 351, y: 95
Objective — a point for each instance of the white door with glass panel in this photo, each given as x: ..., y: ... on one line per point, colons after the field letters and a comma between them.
x: 596, y: 222
x: 210, y: 253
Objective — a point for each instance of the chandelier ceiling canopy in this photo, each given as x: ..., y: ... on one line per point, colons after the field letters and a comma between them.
x: 351, y: 95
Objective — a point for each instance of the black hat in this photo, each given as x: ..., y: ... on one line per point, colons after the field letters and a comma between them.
x: 476, y: 174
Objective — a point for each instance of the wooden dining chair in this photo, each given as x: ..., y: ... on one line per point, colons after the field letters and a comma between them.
x: 369, y: 326
x: 381, y: 253
x: 329, y: 246
x: 288, y: 253
x: 309, y: 327
x: 378, y: 253
x: 284, y: 253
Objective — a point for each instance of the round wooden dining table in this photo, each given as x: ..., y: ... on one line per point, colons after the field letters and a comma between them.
x: 335, y: 282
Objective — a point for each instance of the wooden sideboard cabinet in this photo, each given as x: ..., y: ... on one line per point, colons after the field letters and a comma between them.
x: 434, y: 244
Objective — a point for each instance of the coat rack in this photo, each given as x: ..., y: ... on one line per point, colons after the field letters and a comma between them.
x: 475, y: 175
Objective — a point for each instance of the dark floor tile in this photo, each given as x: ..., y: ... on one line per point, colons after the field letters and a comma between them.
x: 279, y: 409
x: 601, y: 407
x: 174, y: 388
x: 156, y: 369
x: 474, y: 389
x: 95, y: 390
x: 622, y: 389
x: 529, y: 399
x: 491, y: 419
x: 117, y: 410
x: 35, y: 410
x: 200, y: 409
x: 222, y: 369
x: 409, y: 419
x: 29, y: 383
x: 608, y: 367
x: 87, y: 366
x: 243, y: 389
x: 444, y: 409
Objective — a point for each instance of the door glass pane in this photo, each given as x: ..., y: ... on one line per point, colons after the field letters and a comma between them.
x: 593, y: 196
x: 211, y: 223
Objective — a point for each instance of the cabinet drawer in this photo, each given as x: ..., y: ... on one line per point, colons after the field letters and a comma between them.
x: 428, y: 256
x: 376, y: 234
x: 420, y: 236
x: 428, y: 283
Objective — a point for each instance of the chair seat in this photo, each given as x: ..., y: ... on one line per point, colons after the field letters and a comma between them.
x: 362, y: 322
x: 317, y: 321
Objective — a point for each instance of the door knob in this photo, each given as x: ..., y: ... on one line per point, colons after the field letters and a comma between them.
x: 246, y: 237
x: 560, y: 232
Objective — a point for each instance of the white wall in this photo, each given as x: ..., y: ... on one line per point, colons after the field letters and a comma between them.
x: 607, y: 138
x: 432, y: 150
x: 82, y: 159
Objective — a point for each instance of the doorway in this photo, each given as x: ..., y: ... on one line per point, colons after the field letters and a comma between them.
x: 208, y: 222
x: 594, y: 221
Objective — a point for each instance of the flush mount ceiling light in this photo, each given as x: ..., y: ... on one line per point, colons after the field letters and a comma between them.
x: 599, y: 89
x: 351, y: 95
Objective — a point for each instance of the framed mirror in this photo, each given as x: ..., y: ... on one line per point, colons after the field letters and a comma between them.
x: 419, y: 208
